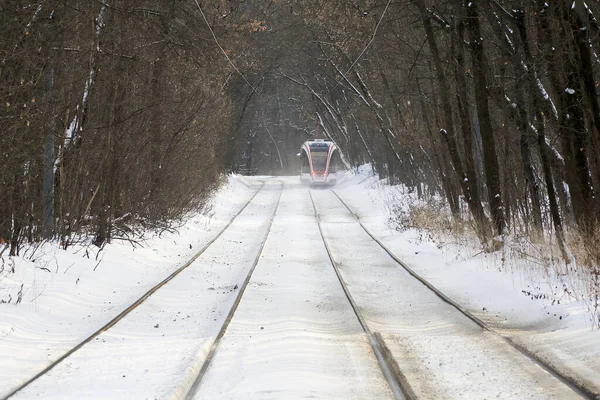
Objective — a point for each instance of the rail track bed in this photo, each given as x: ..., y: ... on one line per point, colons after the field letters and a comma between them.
x: 377, y: 326
x: 294, y: 334
x: 295, y: 298
x: 420, y: 327
x: 189, y: 305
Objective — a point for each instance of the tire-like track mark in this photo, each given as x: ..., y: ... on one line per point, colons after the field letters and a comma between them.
x: 397, y: 383
x: 133, y: 306
x: 572, y: 383
x: 214, y: 347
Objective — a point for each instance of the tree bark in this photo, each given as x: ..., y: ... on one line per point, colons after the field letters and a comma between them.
x: 539, y: 123
x: 48, y: 185
x: 447, y: 130
x: 586, y: 71
x: 572, y: 129
x: 464, y: 113
x: 492, y: 170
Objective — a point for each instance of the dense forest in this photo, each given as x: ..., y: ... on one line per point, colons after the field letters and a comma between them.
x: 120, y: 112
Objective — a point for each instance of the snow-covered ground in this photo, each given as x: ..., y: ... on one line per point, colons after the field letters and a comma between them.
x: 442, y: 353
x: 502, y: 288
x: 294, y: 333
x: 68, y: 295
x: 158, y: 349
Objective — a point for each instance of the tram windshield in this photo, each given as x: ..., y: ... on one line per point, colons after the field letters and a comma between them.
x: 319, y: 161
x: 318, y: 153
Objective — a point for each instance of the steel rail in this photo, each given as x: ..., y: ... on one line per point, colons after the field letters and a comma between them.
x: 569, y: 381
x: 396, y: 381
x: 215, y: 345
x: 134, y: 305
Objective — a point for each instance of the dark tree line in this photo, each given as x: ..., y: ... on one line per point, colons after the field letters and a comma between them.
x: 113, y: 114
x: 117, y: 110
x: 492, y: 104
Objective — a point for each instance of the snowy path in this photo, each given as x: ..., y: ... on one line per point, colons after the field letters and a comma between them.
x: 157, y: 350
x: 442, y: 353
x: 487, y: 286
x: 294, y: 334
x: 85, y: 290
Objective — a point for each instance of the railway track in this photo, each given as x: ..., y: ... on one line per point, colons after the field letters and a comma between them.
x: 214, y: 347
x: 399, y: 385
x: 395, y: 380
x: 566, y: 380
x: 135, y: 304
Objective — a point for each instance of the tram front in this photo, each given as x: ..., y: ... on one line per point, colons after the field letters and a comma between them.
x: 318, y: 164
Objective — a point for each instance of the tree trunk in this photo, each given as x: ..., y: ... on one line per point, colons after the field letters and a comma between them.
x: 492, y: 171
x: 572, y: 129
x: 539, y: 123
x: 462, y: 103
x: 586, y: 71
x: 448, y: 129
x: 48, y: 185
x: 446, y: 179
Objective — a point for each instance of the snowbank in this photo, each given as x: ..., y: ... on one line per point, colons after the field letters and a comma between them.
x: 53, y: 299
x: 517, y: 292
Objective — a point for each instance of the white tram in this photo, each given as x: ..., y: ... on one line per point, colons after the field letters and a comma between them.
x: 320, y: 161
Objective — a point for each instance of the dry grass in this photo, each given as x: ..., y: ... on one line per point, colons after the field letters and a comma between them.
x: 523, y: 253
x: 585, y: 247
x: 433, y: 217
x: 586, y: 250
